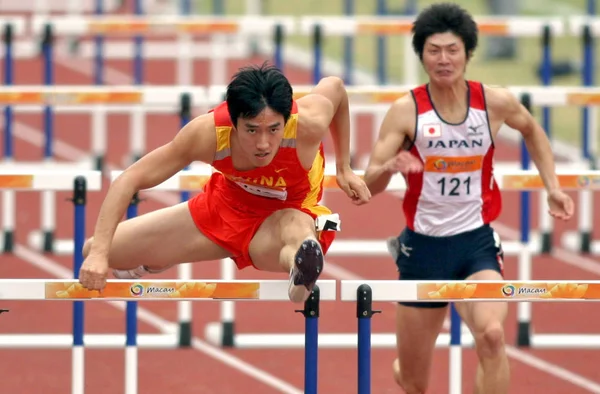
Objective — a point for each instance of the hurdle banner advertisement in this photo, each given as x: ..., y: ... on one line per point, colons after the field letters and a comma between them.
x: 568, y: 181
x: 16, y: 181
x: 161, y: 25
x: 153, y: 290
x: 503, y: 290
x: 72, y: 97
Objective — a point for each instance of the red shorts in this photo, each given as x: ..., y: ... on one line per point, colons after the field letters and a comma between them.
x: 232, y: 225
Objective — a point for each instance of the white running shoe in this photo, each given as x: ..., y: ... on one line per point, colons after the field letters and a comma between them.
x: 136, y: 273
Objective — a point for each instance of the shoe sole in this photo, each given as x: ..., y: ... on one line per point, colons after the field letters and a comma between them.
x: 309, y: 262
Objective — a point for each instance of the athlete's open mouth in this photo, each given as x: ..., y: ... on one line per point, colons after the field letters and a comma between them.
x: 262, y: 155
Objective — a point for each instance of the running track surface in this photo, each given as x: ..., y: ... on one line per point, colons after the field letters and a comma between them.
x: 193, y: 371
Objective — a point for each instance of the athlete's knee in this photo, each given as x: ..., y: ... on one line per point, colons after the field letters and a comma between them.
x: 410, y: 385
x: 489, y: 341
x: 409, y: 382
x: 295, y: 224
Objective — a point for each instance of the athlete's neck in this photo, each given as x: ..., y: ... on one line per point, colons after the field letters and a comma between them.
x: 449, y: 99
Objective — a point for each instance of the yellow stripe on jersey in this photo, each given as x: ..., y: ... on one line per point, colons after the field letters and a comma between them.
x: 289, y: 132
x: 222, y: 137
x: 315, y: 177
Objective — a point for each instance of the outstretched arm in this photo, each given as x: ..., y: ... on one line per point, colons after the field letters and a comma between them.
x: 518, y: 117
x: 327, y: 108
x: 190, y: 144
x: 385, y: 158
x: 330, y: 102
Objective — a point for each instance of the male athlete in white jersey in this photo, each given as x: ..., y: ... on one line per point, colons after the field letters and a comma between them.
x: 441, y: 137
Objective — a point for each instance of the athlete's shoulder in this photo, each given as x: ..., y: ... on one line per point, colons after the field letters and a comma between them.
x: 314, y: 115
x: 220, y: 115
x: 499, y: 97
x: 406, y: 104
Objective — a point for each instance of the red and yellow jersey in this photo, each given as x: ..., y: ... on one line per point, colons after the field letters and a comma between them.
x: 284, y: 183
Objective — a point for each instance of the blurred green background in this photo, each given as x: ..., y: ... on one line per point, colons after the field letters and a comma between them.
x: 520, y: 70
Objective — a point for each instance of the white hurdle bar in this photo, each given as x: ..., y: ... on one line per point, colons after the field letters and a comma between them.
x: 220, y: 333
x: 154, y: 290
x: 366, y: 292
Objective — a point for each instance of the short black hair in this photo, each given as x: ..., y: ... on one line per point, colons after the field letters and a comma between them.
x: 253, y: 88
x: 442, y: 18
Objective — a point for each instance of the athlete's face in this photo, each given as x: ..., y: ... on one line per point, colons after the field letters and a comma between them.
x: 259, y: 137
x: 444, y: 58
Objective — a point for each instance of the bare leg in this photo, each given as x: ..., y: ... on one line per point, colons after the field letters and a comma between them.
x: 486, y: 320
x: 287, y: 241
x: 159, y: 240
x: 417, y: 330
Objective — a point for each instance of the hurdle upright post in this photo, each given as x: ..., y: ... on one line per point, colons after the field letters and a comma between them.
x: 184, y: 310
x: 8, y: 220
x: 348, y: 46
x: 589, y: 125
x: 311, y: 340
x: 545, y: 225
x: 524, y: 308
x: 381, y: 47
x: 317, y: 52
x: 99, y: 121
x: 77, y: 360
x: 138, y: 120
x: 278, y: 50
x: 455, y: 362
x: 48, y: 197
x: 364, y: 312
x: 131, y: 364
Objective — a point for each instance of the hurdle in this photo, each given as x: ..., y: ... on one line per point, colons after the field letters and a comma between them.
x: 588, y: 28
x: 376, y: 97
x: 168, y: 290
x: 222, y: 333
x: 79, y: 182
x: 365, y: 292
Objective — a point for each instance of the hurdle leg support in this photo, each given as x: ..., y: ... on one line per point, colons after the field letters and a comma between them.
x: 311, y: 340
x: 364, y: 312
x: 9, y: 241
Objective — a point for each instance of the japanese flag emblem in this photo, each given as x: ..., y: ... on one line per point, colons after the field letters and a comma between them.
x: 432, y: 130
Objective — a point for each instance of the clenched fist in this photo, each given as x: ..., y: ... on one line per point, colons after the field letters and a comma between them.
x: 404, y: 162
x: 93, y: 272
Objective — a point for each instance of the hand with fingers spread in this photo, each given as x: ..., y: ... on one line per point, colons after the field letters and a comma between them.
x: 560, y: 205
x: 404, y: 162
x: 354, y: 186
x: 93, y: 272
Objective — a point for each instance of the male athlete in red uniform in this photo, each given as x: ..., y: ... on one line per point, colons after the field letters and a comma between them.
x: 441, y: 137
x: 259, y: 208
